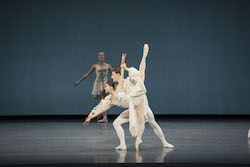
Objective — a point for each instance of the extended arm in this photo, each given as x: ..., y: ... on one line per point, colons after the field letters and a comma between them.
x: 92, y: 114
x: 142, y: 67
x: 107, y: 107
x: 100, y: 106
x: 96, y: 108
x: 86, y: 75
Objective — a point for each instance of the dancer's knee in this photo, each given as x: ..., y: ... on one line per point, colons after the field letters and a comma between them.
x: 153, y: 124
x: 118, y: 122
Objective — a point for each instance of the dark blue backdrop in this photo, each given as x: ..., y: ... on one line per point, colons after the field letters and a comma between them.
x: 198, y: 61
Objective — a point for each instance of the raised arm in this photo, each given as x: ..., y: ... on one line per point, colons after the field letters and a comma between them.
x: 86, y: 75
x: 142, y: 67
x: 121, y: 80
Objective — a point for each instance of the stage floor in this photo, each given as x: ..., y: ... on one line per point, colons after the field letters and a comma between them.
x: 67, y: 141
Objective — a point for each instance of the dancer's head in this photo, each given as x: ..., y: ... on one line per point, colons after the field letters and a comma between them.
x: 109, y: 87
x: 101, y: 56
x: 116, y: 73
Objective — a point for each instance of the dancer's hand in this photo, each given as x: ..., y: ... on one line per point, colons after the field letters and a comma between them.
x: 123, y: 65
x: 76, y: 83
x: 123, y: 58
x: 86, y: 122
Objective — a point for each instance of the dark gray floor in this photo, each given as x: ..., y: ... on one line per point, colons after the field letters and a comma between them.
x: 66, y: 141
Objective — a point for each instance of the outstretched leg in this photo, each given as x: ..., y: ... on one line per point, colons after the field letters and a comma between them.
x: 142, y: 66
x: 121, y: 119
x: 157, y: 129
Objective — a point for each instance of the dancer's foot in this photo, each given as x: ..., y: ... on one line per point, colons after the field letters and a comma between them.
x: 121, y: 147
x: 103, y: 121
x: 168, y: 145
x: 137, y: 143
x: 248, y: 134
x: 145, y: 48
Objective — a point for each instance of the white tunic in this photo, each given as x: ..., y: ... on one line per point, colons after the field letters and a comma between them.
x: 136, y: 90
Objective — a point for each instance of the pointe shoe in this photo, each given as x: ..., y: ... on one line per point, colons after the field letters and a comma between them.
x: 145, y: 49
x: 103, y: 121
x: 137, y: 143
x: 121, y: 147
x: 168, y: 145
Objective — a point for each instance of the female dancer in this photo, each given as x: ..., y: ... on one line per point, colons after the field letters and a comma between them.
x: 101, y: 70
x: 120, y: 99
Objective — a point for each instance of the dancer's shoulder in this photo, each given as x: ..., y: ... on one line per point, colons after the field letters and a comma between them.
x: 107, y: 98
x: 94, y: 66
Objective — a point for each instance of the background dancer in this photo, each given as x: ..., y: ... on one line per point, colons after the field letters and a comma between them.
x: 101, y: 69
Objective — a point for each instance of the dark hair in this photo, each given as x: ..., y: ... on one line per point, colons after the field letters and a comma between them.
x: 116, y: 70
x: 112, y: 84
x: 101, y: 52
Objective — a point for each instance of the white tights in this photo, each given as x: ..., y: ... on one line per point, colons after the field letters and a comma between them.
x: 124, y: 118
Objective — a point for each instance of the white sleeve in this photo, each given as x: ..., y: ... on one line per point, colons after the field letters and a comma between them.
x: 133, y: 71
x: 102, y: 104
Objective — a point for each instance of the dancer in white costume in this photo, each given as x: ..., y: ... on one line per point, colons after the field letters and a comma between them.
x: 134, y: 99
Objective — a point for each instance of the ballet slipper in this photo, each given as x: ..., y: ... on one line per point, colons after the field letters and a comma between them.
x: 137, y: 143
x: 168, y: 145
x: 146, y: 48
x: 103, y: 121
x: 121, y: 147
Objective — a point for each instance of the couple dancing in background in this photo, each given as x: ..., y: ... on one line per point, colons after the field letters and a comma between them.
x: 130, y: 93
